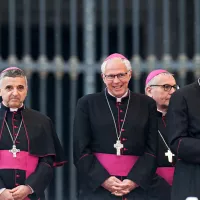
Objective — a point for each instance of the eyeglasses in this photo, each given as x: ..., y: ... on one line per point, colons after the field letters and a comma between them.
x: 167, y: 87
x: 120, y: 76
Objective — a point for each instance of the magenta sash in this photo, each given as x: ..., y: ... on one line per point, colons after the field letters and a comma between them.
x: 23, y: 161
x: 117, y: 165
x: 167, y: 173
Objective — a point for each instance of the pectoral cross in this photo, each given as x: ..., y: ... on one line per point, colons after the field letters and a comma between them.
x: 14, y: 151
x: 118, y: 145
x: 170, y: 155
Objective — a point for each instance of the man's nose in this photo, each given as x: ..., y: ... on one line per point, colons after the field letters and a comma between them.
x: 116, y: 79
x: 15, y: 91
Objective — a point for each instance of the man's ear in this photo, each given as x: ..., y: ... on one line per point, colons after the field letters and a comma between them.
x: 148, y: 91
x: 130, y: 74
x: 103, y: 77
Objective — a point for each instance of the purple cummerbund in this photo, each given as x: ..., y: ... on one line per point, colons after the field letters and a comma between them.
x: 23, y: 161
x: 117, y: 165
x: 167, y: 173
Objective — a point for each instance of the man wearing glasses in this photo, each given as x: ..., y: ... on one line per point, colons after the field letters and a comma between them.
x: 160, y: 85
x: 115, y: 135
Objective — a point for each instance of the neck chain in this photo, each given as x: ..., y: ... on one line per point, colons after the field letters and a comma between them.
x: 169, y: 154
x: 13, y: 139
x: 164, y: 140
x: 120, y: 132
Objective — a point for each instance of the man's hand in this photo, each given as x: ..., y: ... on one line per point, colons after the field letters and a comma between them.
x: 126, y: 187
x: 6, y: 195
x: 20, y: 192
x: 129, y: 185
x: 115, y: 186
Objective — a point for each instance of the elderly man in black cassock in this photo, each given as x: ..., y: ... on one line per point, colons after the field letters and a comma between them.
x: 29, y: 146
x: 115, y: 138
x: 160, y: 85
x: 183, y: 125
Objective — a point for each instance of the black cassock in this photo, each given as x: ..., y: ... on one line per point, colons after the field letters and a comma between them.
x: 94, y: 133
x: 165, y: 169
x: 40, y: 150
x: 183, y: 125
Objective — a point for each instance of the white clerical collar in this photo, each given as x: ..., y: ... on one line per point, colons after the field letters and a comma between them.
x: 13, y: 109
x: 163, y: 113
x: 119, y: 99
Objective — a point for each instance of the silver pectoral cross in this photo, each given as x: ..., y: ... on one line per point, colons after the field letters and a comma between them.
x: 118, y: 146
x: 14, y: 151
x: 170, y: 155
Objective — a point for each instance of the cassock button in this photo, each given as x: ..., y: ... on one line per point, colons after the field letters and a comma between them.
x: 17, y: 175
x: 121, y: 111
x: 123, y: 130
x: 16, y: 184
x: 121, y: 120
x: 125, y: 149
x: 124, y: 139
x: 15, y: 127
x: 17, y: 142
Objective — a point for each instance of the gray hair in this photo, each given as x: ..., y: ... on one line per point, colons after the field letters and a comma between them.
x: 153, y: 81
x: 125, y: 61
x: 13, y: 73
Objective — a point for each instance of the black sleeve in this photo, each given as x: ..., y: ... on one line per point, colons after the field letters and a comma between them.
x: 144, y: 169
x: 2, y: 185
x: 42, y: 176
x: 184, y: 146
x: 90, y: 171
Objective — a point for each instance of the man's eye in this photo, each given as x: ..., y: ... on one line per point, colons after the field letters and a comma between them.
x: 167, y: 86
x: 9, y: 88
x: 121, y: 75
x: 20, y: 87
x: 110, y: 76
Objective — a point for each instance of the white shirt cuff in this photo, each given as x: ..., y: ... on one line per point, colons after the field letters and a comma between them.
x: 32, y: 191
x: 2, y: 190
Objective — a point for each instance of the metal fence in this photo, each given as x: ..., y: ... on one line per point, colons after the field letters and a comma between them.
x: 61, y: 44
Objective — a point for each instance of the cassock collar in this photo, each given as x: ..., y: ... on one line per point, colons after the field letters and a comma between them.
x: 112, y: 97
x: 3, y: 107
x: 160, y: 113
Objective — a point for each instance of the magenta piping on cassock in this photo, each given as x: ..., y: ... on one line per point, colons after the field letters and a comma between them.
x: 167, y: 173
x: 151, y: 154
x: 26, y: 132
x: 3, y: 124
x: 117, y: 165
x: 84, y: 156
x: 54, y: 164
x: 179, y: 145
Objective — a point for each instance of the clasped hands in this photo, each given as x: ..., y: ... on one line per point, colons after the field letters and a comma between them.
x: 18, y: 193
x: 118, y: 187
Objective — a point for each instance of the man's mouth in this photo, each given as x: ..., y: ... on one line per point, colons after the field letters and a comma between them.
x: 117, y: 87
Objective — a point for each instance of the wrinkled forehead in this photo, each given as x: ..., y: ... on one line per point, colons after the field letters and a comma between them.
x: 165, y: 78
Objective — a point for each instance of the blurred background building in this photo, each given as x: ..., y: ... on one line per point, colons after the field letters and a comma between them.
x: 61, y: 44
